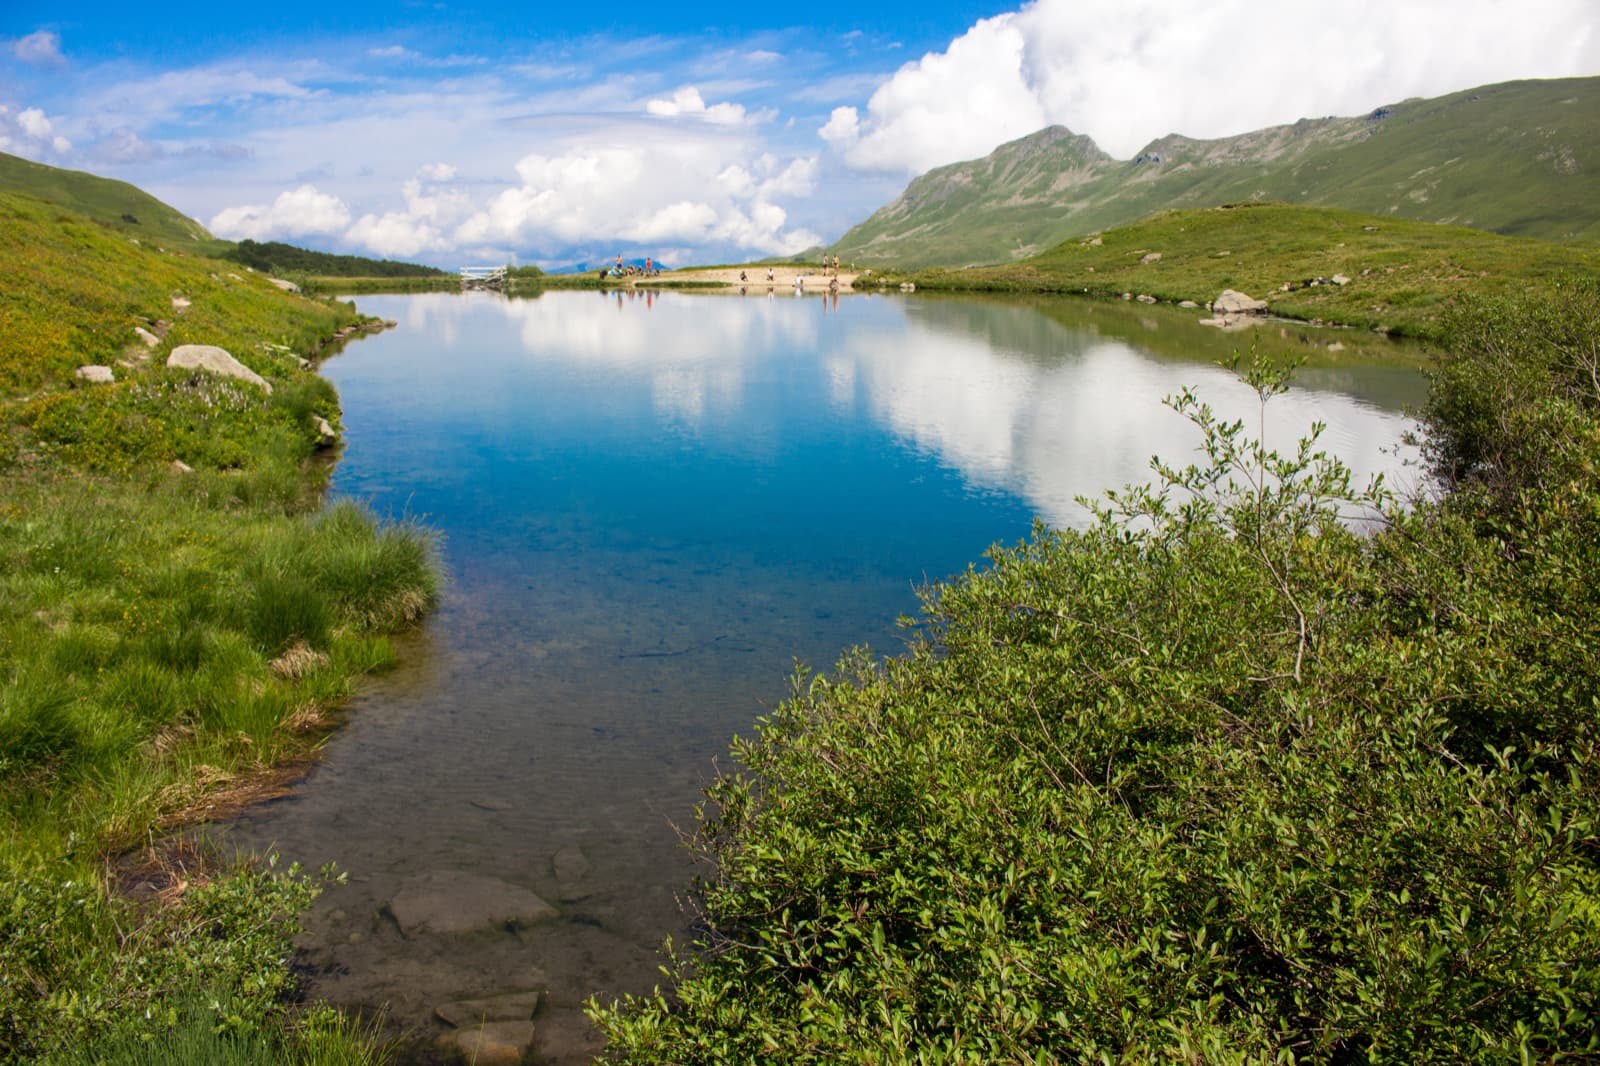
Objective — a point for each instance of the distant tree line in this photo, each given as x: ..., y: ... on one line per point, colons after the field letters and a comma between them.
x: 274, y: 257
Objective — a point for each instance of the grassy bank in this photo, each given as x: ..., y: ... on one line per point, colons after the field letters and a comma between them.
x: 1220, y: 779
x: 1403, y: 276
x: 179, y: 619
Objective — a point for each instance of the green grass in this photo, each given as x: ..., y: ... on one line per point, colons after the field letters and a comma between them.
x: 1403, y: 275
x: 116, y: 204
x: 1518, y: 158
x: 168, y: 636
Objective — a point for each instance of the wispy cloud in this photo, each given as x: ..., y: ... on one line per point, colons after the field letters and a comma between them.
x: 40, y: 48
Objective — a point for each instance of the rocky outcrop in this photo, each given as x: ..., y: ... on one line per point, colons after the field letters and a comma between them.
x: 326, y: 437
x: 95, y: 375
x: 286, y: 286
x: 1151, y: 257
x: 150, y: 339
x: 214, y: 360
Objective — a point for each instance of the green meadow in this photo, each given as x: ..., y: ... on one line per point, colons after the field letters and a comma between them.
x: 1402, y: 276
x: 180, y: 619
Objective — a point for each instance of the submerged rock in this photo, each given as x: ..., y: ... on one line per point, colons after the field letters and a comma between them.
x: 214, y: 360
x: 452, y: 901
x: 506, y: 1007
x: 491, y: 1044
x: 571, y: 867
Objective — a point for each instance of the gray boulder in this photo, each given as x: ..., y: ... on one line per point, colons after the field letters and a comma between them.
x: 95, y: 375
x: 454, y: 901
x: 214, y: 360
x: 1237, y: 303
x: 150, y: 339
x: 1152, y: 257
x: 286, y: 286
x: 326, y: 437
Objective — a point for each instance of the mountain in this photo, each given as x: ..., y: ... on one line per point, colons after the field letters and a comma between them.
x: 1520, y: 158
x: 113, y: 203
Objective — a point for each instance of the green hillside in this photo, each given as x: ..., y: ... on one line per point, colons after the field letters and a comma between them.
x: 1402, y: 277
x: 135, y: 212
x: 1520, y: 158
x: 115, y: 203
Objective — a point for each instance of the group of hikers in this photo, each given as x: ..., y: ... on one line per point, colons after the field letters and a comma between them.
x: 650, y: 269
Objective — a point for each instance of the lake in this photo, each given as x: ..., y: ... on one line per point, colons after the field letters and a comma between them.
x: 652, y: 506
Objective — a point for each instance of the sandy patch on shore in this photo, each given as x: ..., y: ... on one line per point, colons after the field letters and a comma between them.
x: 783, y: 278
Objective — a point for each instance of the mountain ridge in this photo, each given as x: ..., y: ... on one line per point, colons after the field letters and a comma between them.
x: 1520, y: 158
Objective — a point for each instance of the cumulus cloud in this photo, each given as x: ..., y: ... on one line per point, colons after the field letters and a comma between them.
x: 1128, y: 71
x: 647, y: 191
x: 688, y: 103
x: 34, y: 124
x: 421, y: 227
x: 41, y: 48
x: 437, y: 172
x: 30, y: 132
x: 301, y: 212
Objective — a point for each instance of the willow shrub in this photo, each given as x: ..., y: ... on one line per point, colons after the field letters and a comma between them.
x: 1220, y: 779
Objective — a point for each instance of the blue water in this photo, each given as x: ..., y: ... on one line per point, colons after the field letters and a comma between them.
x: 651, y: 506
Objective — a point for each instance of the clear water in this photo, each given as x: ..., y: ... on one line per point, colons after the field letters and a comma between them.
x: 652, y: 506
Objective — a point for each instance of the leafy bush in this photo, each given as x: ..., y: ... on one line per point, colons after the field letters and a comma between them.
x: 218, y: 956
x: 1220, y: 779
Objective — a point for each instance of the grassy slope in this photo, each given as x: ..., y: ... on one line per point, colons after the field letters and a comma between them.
x: 1403, y: 274
x: 107, y: 201
x: 1517, y: 158
x: 165, y: 638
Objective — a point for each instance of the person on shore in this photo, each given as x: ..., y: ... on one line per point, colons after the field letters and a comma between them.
x: 649, y: 265
x: 769, y: 275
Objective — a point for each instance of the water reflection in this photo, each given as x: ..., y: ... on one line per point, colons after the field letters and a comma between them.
x: 652, y: 504
x: 1013, y: 400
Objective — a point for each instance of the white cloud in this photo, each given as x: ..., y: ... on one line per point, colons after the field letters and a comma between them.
x: 393, y: 51
x: 31, y: 132
x: 843, y: 128
x: 641, y: 190
x: 1128, y: 71
x: 437, y: 172
x: 298, y: 212
x: 34, y: 123
x: 41, y: 47
x: 688, y: 103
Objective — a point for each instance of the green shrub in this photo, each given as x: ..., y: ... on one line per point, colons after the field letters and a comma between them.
x: 1220, y: 779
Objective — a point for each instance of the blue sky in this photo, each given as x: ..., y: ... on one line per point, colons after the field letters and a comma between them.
x: 449, y: 132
